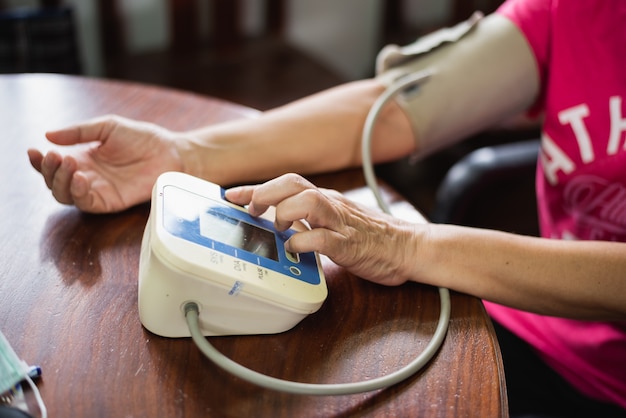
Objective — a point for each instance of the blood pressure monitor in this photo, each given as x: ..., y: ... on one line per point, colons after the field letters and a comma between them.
x: 198, y: 247
x: 209, y: 268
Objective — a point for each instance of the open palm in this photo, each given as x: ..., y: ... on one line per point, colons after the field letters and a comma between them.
x: 111, y: 165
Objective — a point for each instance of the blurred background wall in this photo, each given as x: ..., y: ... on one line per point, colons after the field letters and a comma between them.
x: 281, y: 48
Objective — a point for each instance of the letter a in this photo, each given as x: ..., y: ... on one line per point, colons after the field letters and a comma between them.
x: 553, y: 159
x: 574, y: 117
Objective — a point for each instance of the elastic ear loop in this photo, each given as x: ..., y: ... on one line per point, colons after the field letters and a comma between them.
x: 43, y: 411
x: 192, y: 310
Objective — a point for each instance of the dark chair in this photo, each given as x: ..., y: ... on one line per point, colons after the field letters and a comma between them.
x: 491, y: 187
x: 41, y: 39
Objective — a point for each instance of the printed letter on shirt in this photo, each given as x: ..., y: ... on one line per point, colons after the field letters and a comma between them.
x: 553, y: 160
x: 618, y: 125
x: 574, y: 117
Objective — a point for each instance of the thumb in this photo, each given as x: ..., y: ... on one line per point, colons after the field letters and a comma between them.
x: 90, y: 131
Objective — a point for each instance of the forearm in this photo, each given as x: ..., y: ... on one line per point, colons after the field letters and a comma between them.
x: 578, y: 279
x: 316, y: 134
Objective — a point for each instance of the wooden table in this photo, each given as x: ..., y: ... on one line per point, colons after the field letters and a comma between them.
x: 68, y: 297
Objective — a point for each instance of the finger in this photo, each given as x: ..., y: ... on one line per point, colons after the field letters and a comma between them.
x: 310, y: 205
x: 79, y: 185
x: 243, y: 195
x: 321, y: 240
x: 89, y: 131
x: 261, y: 197
x: 84, y: 198
x: 275, y: 191
x: 295, y: 198
x: 91, y: 194
x: 240, y: 195
x: 306, y: 241
x: 49, y: 166
x: 36, y: 158
x: 61, y: 180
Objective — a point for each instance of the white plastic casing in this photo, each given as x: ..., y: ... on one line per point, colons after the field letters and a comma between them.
x: 235, y: 296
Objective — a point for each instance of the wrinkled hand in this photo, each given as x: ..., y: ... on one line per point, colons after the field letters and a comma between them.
x: 111, y: 166
x: 370, y: 244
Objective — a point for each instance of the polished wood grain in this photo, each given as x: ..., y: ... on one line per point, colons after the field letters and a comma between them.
x: 68, y: 297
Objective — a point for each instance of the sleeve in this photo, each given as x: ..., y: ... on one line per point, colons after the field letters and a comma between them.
x: 533, y: 18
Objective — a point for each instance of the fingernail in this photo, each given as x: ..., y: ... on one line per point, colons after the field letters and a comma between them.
x: 232, y: 190
x: 252, y: 210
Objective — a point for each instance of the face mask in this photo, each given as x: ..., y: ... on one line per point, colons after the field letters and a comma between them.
x: 12, y: 369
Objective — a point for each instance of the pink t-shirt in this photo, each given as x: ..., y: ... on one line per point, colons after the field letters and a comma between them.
x: 580, y: 49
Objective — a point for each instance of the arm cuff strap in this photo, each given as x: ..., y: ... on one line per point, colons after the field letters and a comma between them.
x: 483, y: 72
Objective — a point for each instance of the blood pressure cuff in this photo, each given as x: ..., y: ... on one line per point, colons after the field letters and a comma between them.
x: 395, y: 56
x: 483, y: 72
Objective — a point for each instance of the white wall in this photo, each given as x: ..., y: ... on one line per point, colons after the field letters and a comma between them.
x: 342, y: 34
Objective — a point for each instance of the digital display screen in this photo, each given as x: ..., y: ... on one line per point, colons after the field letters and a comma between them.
x: 237, y: 233
x: 199, y: 219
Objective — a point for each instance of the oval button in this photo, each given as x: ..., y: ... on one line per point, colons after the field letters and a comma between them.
x: 295, y: 270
